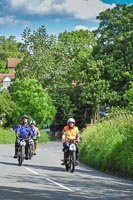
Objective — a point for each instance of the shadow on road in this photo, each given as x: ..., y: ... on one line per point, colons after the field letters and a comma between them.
x: 7, y: 163
x: 11, y: 193
x: 43, y: 189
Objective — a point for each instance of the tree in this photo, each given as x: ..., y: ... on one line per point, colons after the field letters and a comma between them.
x: 38, y: 47
x: 115, y: 47
x: 128, y: 96
x: 6, y: 104
x: 44, y: 59
x: 90, y: 86
x: 9, y: 48
x: 31, y: 99
x: 57, y: 63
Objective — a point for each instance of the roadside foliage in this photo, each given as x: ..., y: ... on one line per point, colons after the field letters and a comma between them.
x: 31, y: 99
x: 108, y: 145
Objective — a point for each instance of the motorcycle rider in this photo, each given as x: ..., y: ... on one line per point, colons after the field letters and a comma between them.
x: 36, y: 134
x: 70, y: 131
x: 103, y: 112
x: 23, y: 131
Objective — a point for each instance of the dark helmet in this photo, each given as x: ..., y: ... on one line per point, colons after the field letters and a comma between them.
x: 24, y: 116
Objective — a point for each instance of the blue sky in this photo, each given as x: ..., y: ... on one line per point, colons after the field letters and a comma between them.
x: 56, y: 15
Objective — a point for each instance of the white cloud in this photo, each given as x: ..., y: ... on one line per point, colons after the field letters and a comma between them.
x: 81, y: 27
x: 33, y: 7
x: 83, y: 9
x: 10, y: 20
x: 80, y: 9
x: 93, y: 28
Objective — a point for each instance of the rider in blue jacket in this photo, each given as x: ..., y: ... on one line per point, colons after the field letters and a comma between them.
x: 23, y: 131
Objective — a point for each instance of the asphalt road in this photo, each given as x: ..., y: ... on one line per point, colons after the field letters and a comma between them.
x: 45, y: 178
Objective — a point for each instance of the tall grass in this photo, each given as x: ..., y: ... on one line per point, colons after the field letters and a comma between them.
x: 108, y: 146
x: 7, y: 136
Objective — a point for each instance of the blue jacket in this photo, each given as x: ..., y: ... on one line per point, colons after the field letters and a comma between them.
x: 24, y: 131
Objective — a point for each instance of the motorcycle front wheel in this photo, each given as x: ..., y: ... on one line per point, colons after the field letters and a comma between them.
x: 21, y: 155
x: 67, y: 166
x: 67, y: 163
x: 72, y: 161
x: 30, y: 151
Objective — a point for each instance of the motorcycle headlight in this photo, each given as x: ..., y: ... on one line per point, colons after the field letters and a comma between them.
x: 22, y: 143
x: 72, y: 147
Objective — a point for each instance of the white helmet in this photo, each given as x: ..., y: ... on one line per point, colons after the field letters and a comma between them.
x: 32, y: 122
x: 71, y: 120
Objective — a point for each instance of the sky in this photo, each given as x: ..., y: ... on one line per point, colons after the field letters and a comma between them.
x: 56, y: 15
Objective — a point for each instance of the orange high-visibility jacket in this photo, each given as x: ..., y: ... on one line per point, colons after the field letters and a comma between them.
x: 71, y: 132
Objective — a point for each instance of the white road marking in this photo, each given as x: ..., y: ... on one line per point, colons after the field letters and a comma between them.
x: 60, y: 185
x: 31, y: 170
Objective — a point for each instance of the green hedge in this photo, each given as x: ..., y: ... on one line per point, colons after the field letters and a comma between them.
x: 108, y: 146
x: 7, y: 136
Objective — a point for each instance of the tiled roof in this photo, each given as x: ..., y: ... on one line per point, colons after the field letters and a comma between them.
x: 7, y: 79
x: 3, y: 76
x: 12, y: 62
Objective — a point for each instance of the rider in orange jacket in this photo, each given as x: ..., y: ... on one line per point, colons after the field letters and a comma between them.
x: 70, y: 131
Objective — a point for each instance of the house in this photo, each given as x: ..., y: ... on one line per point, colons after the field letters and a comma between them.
x: 12, y: 63
x: 6, y: 82
x: 6, y: 79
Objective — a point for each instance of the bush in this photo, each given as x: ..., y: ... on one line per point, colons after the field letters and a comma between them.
x: 7, y: 136
x: 108, y: 146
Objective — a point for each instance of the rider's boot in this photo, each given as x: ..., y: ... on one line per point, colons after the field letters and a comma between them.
x: 16, y: 150
x: 63, y: 161
x: 65, y: 157
x: 26, y: 153
x: 35, y: 148
x: 77, y: 162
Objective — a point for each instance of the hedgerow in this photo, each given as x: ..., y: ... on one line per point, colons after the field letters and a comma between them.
x: 108, y: 146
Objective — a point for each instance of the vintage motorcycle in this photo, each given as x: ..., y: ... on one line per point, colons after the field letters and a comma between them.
x: 30, y: 148
x: 70, y: 159
x: 21, y: 149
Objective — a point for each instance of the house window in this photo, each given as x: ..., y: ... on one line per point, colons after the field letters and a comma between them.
x: 6, y: 82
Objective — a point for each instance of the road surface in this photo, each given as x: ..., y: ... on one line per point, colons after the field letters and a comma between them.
x: 45, y: 178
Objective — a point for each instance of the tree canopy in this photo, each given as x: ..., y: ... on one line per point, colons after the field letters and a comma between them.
x: 6, y: 104
x: 9, y: 48
x: 31, y: 99
x: 80, y: 70
x: 115, y: 47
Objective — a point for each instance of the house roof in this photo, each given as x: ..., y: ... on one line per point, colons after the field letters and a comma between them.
x: 3, y: 76
x: 12, y: 62
x: 7, y: 79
